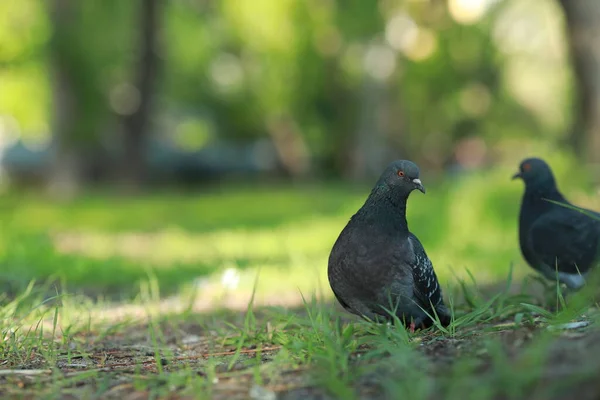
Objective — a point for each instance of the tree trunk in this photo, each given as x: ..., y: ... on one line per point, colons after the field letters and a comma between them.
x: 583, y: 33
x: 146, y: 71
x: 371, y: 150
x: 65, y: 173
x: 290, y: 146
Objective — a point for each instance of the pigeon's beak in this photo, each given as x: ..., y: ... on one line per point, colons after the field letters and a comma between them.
x: 517, y: 175
x: 419, y: 185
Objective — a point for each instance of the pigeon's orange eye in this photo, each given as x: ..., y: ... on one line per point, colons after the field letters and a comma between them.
x: 526, y: 167
x: 400, y: 173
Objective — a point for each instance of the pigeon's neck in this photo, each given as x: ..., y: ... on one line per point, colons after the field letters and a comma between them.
x: 538, y: 195
x: 538, y: 200
x: 390, y: 205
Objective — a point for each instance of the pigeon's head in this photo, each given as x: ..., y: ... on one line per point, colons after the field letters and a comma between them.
x: 535, y: 172
x: 402, y: 176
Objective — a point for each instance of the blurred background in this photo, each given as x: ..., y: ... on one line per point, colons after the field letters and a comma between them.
x: 186, y: 145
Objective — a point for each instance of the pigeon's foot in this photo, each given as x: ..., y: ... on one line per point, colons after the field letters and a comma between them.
x: 551, y: 296
x: 412, y: 327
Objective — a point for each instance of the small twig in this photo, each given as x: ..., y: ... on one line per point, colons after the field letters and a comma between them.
x: 25, y: 372
x: 207, y: 355
x: 71, y: 374
x: 236, y: 374
x: 231, y: 352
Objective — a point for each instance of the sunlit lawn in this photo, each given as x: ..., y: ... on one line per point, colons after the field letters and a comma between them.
x: 214, y: 240
x: 104, y: 242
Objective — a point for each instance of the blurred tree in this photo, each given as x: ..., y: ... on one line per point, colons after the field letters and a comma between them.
x: 583, y: 33
x: 145, y: 74
x: 86, y: 54
x: 71, y: 109
x: 338, y: 88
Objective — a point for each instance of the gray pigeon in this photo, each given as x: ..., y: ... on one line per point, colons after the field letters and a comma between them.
x: 377, y: 265
x: 559, y: 242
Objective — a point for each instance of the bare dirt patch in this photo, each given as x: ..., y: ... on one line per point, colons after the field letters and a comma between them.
x: 130, y: 365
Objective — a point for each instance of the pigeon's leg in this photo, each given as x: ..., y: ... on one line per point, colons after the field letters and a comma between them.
x: 412, y: 327
x: 443, y: 314
x: 553, y: 291
x: 361, y: 309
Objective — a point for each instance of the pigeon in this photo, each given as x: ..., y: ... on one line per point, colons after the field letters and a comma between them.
x: 377, y: 268
x: 559, y: 242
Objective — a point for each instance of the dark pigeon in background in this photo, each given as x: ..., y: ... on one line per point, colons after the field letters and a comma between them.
x: 559, y: 242
x: 378, y: 264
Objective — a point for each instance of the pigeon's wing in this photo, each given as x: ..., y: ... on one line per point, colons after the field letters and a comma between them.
x: 426, y: 287
x: 566, y: 240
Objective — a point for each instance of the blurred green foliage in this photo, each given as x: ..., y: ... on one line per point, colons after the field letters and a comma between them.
x: 449, y: 70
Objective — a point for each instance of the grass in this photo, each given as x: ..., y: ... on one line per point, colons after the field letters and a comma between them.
x: 222, y: 294
x: 507, y: 346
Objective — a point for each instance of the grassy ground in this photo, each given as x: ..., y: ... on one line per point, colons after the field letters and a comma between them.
x: 223, y: 294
